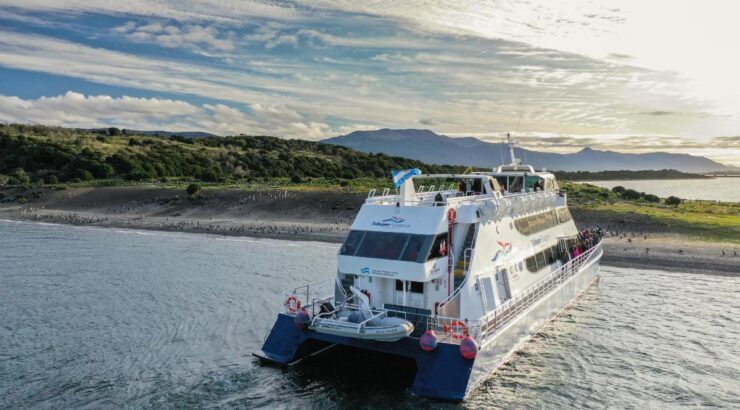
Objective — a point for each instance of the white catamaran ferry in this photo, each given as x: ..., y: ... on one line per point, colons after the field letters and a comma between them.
x: 456, y: 273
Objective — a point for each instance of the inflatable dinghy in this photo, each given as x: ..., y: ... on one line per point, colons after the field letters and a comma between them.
x: 363, y: 323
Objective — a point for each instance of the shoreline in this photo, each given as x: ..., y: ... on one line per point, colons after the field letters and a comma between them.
x: 327, y: 216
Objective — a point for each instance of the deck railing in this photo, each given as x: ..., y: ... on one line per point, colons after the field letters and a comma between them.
x: 511, y: 308
x: 446, y: 322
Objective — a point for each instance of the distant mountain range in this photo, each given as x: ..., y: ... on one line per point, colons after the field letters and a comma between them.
x: 426, y: 146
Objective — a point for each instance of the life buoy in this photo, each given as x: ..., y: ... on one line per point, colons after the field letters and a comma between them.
x: 452, y: 215
x: 292, y: 304
x: 457, y: 329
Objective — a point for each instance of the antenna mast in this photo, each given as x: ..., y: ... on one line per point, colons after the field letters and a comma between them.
x: 512, y: 144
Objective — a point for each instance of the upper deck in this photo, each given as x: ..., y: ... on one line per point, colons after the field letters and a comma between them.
x: 460, y: 189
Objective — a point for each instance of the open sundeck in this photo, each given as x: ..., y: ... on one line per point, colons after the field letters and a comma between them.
x: 454, y: 271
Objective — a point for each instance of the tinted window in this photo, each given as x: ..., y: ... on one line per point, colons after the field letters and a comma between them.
x: 413, y: 248
x: 414, y: 287
x: 439, y: 247
x: 516, y: 184
x: 502, y: 181
x: 382, y: 245
x: 538, y: 261
x: 352, y: 242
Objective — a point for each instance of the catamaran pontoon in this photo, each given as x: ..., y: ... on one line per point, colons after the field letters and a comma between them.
x: 456, y: 277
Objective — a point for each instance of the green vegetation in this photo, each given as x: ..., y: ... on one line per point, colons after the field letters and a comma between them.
x: 46, y: 154
x: 624, y: 175
x: 192, y: 189
x: 672, y: 200
x: 705, y: 219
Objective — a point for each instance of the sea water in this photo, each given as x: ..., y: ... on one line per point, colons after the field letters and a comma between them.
x: 725, y: 189
x: 104, y: 318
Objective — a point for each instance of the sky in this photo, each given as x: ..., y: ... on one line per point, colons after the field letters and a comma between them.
x: 628, y: 75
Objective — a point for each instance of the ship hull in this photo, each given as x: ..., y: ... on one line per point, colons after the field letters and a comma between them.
x: 497, y: 349
x: 443, y: 373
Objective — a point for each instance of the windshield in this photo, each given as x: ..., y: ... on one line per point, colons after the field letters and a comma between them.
x: 395, y: 246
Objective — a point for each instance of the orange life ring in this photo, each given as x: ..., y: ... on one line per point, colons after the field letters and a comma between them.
x: 292, y: 304
x: 452, y: 215
x: 458, y: 324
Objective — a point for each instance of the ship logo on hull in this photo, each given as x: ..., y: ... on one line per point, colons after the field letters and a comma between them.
x: 505, y: 249
x: 392, y: 222
x: 365, y: 270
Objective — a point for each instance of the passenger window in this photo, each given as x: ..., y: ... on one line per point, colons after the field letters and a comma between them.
x: 540, y: 260
x: 541, y: 224
x: 413, y: 287
x: 352, y: 242
x: 416, y: 287
x: 516, y: 184
x: 413, y: 248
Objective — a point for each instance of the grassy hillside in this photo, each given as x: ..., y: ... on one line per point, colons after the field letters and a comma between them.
x: 705, y: 219
x: 38, y: 154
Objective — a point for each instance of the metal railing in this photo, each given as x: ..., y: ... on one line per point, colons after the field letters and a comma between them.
x: 309, y: 295
x: 448, y: 312
x: 511, y: 308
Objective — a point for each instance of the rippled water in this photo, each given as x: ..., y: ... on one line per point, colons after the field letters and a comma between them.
x: 104, y: 318
x: 723, y: 189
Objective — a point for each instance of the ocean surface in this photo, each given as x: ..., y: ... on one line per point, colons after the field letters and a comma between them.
x: 103, y: 318
x: 714, y: 189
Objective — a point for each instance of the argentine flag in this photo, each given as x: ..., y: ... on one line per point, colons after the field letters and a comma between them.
x: 399, y: 177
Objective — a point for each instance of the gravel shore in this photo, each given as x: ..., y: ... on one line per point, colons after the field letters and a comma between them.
x: 327, y: 216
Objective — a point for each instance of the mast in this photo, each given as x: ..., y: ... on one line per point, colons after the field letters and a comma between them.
x: 512, y: 144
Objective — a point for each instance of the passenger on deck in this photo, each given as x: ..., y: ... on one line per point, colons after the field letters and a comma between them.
x: 564, y: 256
x: 438, y: 198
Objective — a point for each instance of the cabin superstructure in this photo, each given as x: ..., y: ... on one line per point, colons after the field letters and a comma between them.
x: 415, y: 249
x: 472, y: 258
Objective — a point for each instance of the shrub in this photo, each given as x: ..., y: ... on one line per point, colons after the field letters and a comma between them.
x: 630, y: 194
x: 19, y: 177
x: 296, y: 179
x: 651, y: 198
x: 52, y: 179
x: 192, y: 189
x: 673, y: 201
x: 618, y: 189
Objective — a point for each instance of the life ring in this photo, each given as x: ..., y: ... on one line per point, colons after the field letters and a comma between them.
x: 452, y: 215
x: 457, y: 324
x: 292, y: 304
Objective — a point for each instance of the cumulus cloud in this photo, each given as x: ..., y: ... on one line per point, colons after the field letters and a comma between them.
x: 74, y: 109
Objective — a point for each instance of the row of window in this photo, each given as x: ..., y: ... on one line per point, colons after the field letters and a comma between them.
x: 532, y: 224
x: 395, y: 246
x: 539, y: 260
x: 526, y: 183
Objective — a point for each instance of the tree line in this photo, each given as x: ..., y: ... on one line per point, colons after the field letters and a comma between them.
x: 55, y: 155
